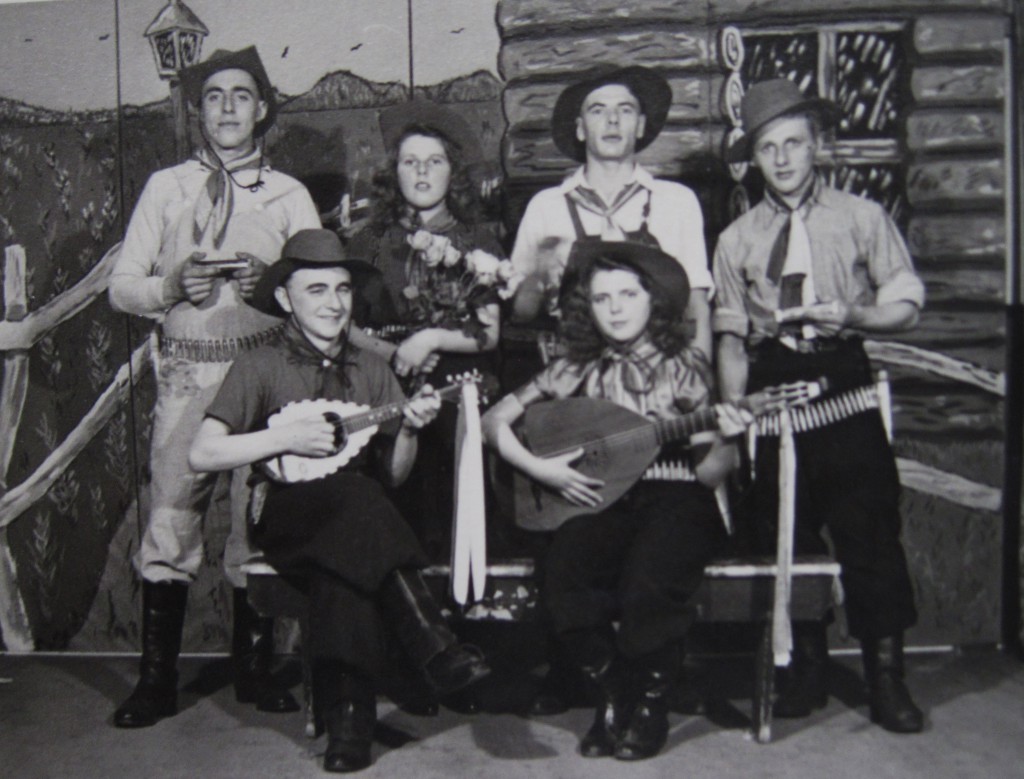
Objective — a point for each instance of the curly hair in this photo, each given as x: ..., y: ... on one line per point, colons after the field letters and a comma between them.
x: 390, y: 207
x: 580, y: 335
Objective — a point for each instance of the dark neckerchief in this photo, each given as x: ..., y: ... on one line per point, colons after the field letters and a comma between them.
x: 332, y: 372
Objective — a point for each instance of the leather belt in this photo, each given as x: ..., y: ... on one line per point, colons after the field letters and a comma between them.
x: 824, y: 412
x: 215, y: 350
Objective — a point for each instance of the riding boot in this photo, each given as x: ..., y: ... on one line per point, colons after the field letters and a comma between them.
x: 890, y: 701
x: 156, y: 694
x: 422, y: 631
x: 806, y: 685
x: 611, y: 712
x: 648, y: 723
x: 347, y: 703
x: 252, y: 654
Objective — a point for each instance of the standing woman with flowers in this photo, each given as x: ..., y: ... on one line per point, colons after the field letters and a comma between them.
x: 443, y: 278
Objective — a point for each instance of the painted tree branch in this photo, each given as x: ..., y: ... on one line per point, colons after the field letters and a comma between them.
x: 12, y: 401
x: 24, y: 334
x: 948, y: 486
x: 20, y: 498
x: 908, y: 356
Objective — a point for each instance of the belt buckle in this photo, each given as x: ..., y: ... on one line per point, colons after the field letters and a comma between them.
x: 806, y: 346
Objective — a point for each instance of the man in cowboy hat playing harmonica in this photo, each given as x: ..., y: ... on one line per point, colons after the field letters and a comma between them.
x: 603, y: 121
x: 199, y: 238
x: 799, y: 277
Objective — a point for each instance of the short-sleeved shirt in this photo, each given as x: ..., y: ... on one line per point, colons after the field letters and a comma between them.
x: 263, y: 380
x: 546, y: 232
x: 641, y: 379
x: 857, y: 253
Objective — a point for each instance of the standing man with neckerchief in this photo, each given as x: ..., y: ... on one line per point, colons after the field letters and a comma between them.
x: 603, y: 121
x: 800, y: 276
x: 198, y: 240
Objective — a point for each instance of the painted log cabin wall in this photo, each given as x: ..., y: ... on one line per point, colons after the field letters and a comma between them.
x: 72, y: 550
x: 946, y: 154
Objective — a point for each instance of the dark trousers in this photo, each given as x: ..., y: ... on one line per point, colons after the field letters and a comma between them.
x: 640, y: 561
x: 847, y: 482
x: 339, y: 537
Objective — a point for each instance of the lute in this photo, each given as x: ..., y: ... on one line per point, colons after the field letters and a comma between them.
x: 355, y: 424
x: 618, y: 445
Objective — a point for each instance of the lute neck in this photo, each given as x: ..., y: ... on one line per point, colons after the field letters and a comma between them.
x: 677, y: 428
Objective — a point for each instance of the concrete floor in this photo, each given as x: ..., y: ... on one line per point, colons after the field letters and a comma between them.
x: 55, y: 717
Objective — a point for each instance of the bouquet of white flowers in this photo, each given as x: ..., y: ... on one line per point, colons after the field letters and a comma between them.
x: 449, y: 288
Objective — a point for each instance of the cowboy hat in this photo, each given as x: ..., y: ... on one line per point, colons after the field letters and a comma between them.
x: 312, y: 248
x: 661, y: 269
x: 649, y: 87
x: 769, y: 100
x: 247, y: 59
x: 397, y: 119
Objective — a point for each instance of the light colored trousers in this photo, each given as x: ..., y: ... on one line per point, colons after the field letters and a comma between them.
x: 172, y: 545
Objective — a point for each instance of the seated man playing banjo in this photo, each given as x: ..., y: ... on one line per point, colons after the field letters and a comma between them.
x: 304, y: 410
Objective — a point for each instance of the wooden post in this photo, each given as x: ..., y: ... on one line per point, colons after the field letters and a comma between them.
x: 14, y: 625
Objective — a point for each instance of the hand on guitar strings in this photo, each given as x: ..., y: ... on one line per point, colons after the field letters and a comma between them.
x: 575, y: 487
x: 421, y: 409
x: 313, y: 436
x: 732, y: 420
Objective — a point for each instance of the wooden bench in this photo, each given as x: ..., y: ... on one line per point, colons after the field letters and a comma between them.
x: 733, y: 591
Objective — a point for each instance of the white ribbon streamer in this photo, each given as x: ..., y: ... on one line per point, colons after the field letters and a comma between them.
x: 782, y: 632
x: 469, y: 543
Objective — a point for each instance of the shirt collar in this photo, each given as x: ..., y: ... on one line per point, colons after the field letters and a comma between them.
x: 578, y: 178
x: 812, y: 198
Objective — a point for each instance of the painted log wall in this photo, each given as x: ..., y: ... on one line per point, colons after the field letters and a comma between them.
x: 951, y: 148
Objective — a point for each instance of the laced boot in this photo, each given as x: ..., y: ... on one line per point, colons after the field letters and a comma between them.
x: 806, y: 686
x: 252, y: 654
x: 347, y: 703
x: 611, y: 713
x: 890, y: 702
x: 447, y: 665
x: 156, y: 694
x: 648, y: 723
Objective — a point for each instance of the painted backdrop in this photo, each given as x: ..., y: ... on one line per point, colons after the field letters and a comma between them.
x: 84, y: 120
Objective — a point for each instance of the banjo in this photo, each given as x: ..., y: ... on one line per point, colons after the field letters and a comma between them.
x: 618, y: 445
x: 354, y: 426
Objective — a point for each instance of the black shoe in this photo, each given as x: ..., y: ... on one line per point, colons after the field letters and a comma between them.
x: 806, y: 684
x: 156, y: 694
x: 349, y: 737
x: 455, y: 668
x: 252, y: 654
x: 889, y: 700
x: 647, y: 731
x: 611, y: 712
x: 148, y: 704
x: 648, y: 723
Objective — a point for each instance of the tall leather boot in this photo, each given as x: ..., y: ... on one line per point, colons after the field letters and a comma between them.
x: 421, y: 629
x: 252, y: 654
x: 156, y: 694
x: 611, y: 712
x: 347, y: 703
x: 889, y: 700
x: 806, y: 686
x: 648, y: 724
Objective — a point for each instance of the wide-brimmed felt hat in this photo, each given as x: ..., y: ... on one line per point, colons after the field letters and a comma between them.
x: 397, y: 119
x: 768, y: 100
x: 650, y: 88
x: 661, y: 269
x: 312, y: 248
x: 247, y: 59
